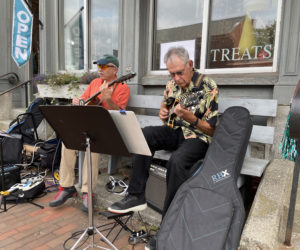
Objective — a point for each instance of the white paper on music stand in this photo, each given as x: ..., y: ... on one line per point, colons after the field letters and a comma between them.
x: 131, y: 132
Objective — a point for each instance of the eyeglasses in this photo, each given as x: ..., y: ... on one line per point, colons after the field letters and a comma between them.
x: 179, y: 73
x: 104, y: 66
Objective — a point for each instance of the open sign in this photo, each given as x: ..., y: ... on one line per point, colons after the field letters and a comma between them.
x: 22, y: 33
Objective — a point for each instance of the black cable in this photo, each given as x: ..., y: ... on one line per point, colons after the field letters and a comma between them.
x: 73, y: 236
x: 113, y: 184
x: 140, y: 236
x: 135, y: 238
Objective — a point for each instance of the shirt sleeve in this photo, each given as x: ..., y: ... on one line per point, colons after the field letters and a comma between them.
x: 211, y: 99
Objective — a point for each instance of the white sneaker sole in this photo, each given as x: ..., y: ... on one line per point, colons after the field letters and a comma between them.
x: 133, y: 209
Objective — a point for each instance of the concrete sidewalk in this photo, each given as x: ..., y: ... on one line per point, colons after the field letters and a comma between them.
x: 26, y: 226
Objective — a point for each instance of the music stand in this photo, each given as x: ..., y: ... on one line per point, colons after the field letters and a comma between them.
x: 90, y: 129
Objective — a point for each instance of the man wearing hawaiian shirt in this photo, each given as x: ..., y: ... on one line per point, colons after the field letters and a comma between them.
x: 189, y: 110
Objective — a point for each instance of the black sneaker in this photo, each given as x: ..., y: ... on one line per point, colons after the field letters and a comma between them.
x: 62, y: 195
x: 129, y: 203
x: 151, y: 245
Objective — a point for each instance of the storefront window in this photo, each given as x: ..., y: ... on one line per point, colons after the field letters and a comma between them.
x: 104, y: 30
x: 218, y: 33
x: 177, y: 23
x: 241, y: 33
x: 79, y: 48
x: 73, y: 34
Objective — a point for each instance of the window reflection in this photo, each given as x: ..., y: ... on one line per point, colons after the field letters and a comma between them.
x: 177, y: 21
x: 241, y: 33
x: 73, y: 34
x: 104, y: 28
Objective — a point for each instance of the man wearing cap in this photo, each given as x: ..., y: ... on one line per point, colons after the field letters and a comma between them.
x: 113, y: 97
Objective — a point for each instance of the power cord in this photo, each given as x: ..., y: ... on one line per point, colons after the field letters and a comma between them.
x: 74, y: 236
x: 32, y: 157
x: 115, y: 184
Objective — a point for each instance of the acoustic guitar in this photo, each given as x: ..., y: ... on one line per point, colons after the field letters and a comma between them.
x: 185, y: 101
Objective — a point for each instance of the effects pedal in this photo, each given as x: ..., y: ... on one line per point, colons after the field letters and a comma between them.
x: 27, y: 187
x: 137, y: 237
x: 31, y: 179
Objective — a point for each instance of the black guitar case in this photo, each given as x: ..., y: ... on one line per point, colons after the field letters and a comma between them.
x: 207, y: 211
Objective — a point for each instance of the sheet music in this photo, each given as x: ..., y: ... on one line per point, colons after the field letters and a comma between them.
x: 130, y: 131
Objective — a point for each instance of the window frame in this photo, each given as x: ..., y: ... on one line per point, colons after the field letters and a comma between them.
x: 86, y: 13
x: 204, y: 42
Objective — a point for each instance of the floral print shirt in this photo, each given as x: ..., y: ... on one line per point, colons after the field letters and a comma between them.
x: 202, y: 94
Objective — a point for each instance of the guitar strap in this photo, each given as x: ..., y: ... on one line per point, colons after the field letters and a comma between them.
x: 199, y: 80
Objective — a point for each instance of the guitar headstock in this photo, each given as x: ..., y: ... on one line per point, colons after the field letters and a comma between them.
x: 125, y: 77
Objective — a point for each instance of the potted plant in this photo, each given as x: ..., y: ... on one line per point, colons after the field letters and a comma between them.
x: 63, y: 85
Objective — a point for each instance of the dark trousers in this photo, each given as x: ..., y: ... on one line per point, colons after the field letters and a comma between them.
x: 179, y: 167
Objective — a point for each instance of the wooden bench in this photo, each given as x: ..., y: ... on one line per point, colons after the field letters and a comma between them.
x: 143, y: 105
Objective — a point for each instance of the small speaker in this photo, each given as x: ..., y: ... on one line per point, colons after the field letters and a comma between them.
x: 11, y: 177
x: 156, y: 187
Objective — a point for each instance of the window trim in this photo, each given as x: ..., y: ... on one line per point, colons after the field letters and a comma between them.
x: 86, y: 33
x: 203, y: 56
x: 86, y: 15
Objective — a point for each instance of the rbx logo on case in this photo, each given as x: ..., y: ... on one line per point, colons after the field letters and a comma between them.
x: 220, y: 176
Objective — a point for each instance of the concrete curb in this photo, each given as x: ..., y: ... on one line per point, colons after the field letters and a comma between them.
x: 266, y: 223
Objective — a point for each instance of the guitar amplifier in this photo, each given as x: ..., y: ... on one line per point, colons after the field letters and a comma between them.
x: 11, y: 176
x: 156, y: 187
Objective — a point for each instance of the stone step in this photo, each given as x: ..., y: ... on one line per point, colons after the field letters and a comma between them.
x: 296, y: 225
x: 296, y: 240
x: 4, y: 124
x: 15, y: 112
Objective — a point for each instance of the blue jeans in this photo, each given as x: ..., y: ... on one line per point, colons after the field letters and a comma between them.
x: 179, y: 167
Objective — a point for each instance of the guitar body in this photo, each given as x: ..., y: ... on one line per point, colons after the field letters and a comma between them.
x: 186, y: 101
x: 93, y: 102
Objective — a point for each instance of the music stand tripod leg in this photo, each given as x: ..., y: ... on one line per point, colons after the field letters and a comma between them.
x: 91, y: 229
